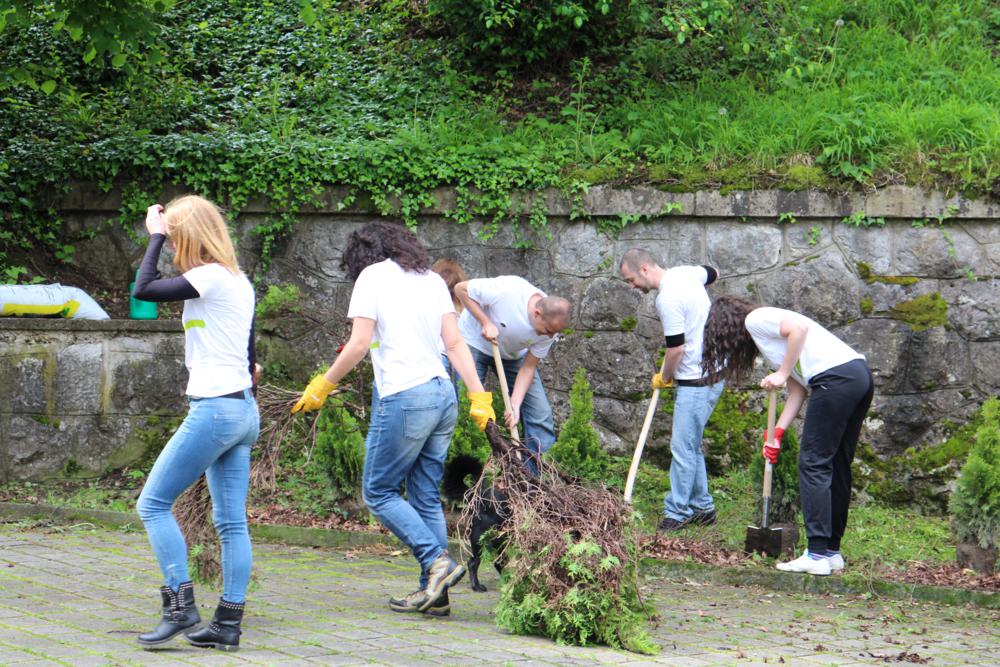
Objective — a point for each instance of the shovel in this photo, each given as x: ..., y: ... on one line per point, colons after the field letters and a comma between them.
x: 643, y: 434
x: 765, y: 539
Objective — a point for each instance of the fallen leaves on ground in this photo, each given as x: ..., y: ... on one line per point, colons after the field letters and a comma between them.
x: 675, y: 548
x: 951, y: 576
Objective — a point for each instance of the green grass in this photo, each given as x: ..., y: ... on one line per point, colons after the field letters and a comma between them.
x: 875, y: 533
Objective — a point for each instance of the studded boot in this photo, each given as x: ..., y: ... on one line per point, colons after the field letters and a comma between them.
x: 223, y: 632
x: 179, y: 614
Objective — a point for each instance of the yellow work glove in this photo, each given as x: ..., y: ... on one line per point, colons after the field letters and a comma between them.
x: 481, y: 408
x: 315, y: 394
x: 659, y: 383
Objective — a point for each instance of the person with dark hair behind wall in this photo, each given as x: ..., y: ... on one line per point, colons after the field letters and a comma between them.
x: 401, y: 312
x: 807, y: 359
x: 682, y: 304
x: 222, y: 422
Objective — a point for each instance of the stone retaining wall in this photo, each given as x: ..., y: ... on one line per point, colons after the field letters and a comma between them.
x: 79, y: 396
x: 789, y: 249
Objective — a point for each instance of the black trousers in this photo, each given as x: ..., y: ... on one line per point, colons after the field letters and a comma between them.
x: 838, y: 402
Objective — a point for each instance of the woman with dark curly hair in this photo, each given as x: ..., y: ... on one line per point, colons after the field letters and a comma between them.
x: 804, y: 354
x: 401, y: 313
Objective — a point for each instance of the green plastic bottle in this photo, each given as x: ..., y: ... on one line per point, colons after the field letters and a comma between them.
x: 137, y: 308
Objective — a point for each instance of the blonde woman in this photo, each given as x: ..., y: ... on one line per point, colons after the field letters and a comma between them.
x: 222, y: 421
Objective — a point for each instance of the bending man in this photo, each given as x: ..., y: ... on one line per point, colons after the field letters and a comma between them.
x: 683, y: 306
x: 523, y: 321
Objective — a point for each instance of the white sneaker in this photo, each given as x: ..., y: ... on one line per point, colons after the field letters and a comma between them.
x: 805, y: 563
x: 836, y: 562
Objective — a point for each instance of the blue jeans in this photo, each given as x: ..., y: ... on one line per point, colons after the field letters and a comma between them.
x: 215, y: 438
x: 407, y: 442
x: 688, y: 478
x: 536, y: 413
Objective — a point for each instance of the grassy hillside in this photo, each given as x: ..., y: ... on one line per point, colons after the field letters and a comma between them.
x: 388, y: 98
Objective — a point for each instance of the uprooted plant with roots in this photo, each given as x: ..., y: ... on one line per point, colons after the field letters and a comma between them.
x: 570, y: 549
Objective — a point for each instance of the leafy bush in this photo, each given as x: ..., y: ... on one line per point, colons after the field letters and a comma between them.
x: 517, y: 32
x: 340, y: 449
x: 578, y: 449
x: 975, y: 503
x: 732, y: 432
x: 588, y: 613
x: 279, y: 301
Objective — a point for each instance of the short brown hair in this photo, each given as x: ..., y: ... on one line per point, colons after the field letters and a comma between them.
x: 452, y: 273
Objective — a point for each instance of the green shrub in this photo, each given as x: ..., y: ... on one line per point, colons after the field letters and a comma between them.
x: 517, y: 32
x: 340, y: 449
x: 578, y: 449
x: 279, y: 301
x: 975, y: 503
x: 587, y: 613
x: 784, y: 479
x: 732, y: 432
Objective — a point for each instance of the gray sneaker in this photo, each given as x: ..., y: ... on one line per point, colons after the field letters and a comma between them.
x: 412, y: 603
x: 443, y: 573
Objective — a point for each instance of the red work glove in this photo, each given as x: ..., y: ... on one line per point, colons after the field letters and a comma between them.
x: 771, y: 450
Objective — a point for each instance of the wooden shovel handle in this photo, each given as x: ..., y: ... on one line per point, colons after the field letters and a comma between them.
x: 503, y: 388
x: 643, y: 434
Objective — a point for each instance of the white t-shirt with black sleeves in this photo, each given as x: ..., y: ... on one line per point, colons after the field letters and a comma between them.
x: 216, y: 330
x: 504, y: 299
x: 407, y: 308
x: 683, y: 304
x: 821, y: 351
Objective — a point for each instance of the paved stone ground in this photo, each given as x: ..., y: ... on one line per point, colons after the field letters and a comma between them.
x: 78, y: 596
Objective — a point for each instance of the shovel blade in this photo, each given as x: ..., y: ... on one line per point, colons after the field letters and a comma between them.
x: 768, y: 541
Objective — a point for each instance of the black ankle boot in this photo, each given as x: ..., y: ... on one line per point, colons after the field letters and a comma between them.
x: 179, y: 614
x: 223, y: 632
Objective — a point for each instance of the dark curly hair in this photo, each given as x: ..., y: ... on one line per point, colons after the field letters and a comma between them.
x: 729, y: 351
x: 379, y: 241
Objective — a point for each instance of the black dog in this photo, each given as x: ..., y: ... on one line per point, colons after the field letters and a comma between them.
x: 493, y: 513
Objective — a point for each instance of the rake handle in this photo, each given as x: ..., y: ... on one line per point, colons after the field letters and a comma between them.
x: 643, y: 434
x: 503, y: 389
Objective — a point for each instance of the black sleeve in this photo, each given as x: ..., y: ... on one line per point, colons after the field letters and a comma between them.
x: 712, y: 273
x: 674, y: 341
x: 252, y: 347
x: 148, y: 284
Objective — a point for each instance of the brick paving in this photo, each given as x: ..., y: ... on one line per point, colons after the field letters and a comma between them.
x: 78, y: 596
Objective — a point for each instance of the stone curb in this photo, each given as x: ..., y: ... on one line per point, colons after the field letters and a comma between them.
x: 847, y: 584
x: 699, y: 572
x: 894, y: 201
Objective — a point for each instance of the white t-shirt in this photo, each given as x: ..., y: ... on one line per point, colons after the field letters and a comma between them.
x: 504, y: 299
x: 821, y: 352
x: 407, y: 308
x: 683, y: 306
x: 217, y: 331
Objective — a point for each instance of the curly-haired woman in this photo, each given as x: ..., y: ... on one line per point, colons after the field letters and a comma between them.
x: 401, y: 311
x: 809, y: 360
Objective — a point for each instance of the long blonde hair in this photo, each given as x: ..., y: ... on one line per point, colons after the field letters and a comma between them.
x: 199, y: 232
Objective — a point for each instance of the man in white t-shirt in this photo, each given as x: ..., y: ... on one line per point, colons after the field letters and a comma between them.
x: 523, y: 321
x: 682, y: 304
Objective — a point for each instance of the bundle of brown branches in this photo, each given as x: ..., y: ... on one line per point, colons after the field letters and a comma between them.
x: 193, y: 508
x: 561, y: 538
